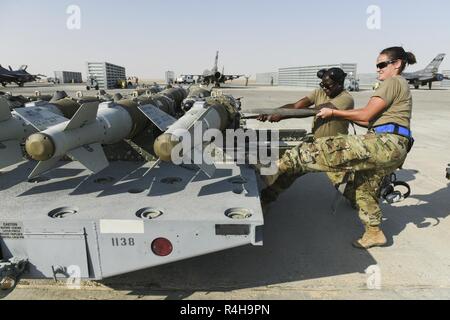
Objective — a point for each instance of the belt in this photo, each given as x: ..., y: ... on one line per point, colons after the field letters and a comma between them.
x: 394, y: 129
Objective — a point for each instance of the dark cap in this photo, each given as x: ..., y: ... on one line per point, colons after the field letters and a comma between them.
x: 336, y: 74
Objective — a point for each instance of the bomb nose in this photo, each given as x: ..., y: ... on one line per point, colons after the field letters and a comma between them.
x: 164, y: 146
x: 40, y: 147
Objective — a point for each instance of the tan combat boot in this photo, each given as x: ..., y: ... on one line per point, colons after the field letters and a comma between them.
x: 269, y: 180
x: 374, y: 237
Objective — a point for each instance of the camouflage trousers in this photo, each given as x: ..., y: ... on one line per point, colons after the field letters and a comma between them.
x: 370, y: 158
x: 285, y: 181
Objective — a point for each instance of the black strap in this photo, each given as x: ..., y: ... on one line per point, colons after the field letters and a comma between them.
x: 340, y: 190
x: 354, y: 129
x: 388, y: 189
x: 396, y: 129
x: 403, y: 184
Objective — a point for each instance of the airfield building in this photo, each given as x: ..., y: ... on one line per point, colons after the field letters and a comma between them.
x: 306, y: 77
x: 170, y: 77
x: 68, y: 77
x: 267, y: 78
x: 107, y: 75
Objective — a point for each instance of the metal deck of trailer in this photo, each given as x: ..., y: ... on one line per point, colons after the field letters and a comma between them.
x: 103, y: 225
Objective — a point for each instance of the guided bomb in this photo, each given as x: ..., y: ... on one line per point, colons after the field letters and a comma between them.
x: 14, y: 129
x: 94, y: 124
x: 81, y: 137
x: 196, y: 93
x: 218, y: 112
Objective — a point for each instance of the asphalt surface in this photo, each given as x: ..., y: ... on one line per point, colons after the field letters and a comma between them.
x: 307, y: 252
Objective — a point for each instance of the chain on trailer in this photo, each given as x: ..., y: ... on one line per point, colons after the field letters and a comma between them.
x: 11, y: 271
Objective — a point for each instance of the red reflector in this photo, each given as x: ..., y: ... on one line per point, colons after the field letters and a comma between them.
x: 162, y: 247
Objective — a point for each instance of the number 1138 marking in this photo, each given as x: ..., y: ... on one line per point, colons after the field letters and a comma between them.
x: 123, y: 242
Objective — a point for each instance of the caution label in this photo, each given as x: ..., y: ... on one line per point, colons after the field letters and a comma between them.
x: 11, y: 230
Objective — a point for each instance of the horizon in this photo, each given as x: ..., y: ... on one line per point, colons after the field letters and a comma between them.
x: 149, y: 38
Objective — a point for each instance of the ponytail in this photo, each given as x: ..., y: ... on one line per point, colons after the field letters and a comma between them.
x: 398, y: 53
x: 410, y: 58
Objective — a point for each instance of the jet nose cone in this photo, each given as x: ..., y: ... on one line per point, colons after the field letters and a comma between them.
x: 40, y: 147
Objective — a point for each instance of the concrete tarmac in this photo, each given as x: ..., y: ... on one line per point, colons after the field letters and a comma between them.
x: 307, y: 252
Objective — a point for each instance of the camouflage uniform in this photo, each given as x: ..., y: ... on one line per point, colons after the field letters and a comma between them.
x: 331, y: 127
x: 370, y: 157
x: 285, y: 181
x: 320, y: 129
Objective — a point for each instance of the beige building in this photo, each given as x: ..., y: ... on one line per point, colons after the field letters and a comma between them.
x: 106, y: 74
x: 306, y: 77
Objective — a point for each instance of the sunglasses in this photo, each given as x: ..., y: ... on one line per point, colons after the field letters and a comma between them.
x: 384, y: 64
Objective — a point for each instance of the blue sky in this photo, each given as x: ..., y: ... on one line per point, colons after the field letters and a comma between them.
x: 150, y: 37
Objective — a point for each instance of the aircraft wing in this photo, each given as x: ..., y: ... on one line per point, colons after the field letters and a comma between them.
x: 199, y: 76
x: 193, y: 75
x: 7, y: 76
x: 161, y: 119
x: 233, y: 77
x: 40, y: 118
x: 408, y: 76
x: 418, y: 76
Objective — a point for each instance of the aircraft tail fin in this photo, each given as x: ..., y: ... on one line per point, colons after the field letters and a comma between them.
x: 91, y: 156
x: 161, y: 119
x: 208, y: 169
x: 43, y: 167
x: 216, y: 62
x: 199, y: 119
x: 87, y: 114
x: 436, y: 63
